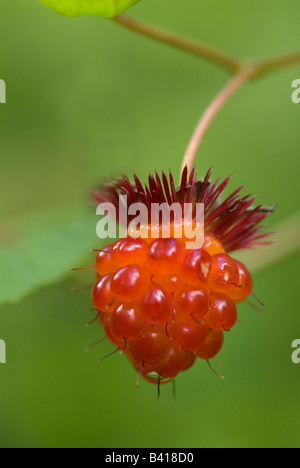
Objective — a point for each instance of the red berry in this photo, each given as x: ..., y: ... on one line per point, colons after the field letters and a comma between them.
x: 222, y: 314
x: 130, y: 283
x: 187, y: 334
x: 157, y: 306
x: 190, y: 362
x: 105, y: 262
x: 102, y: 296
x: 164, y: 306
x: 105, y: 321
x: 224, y: 273
x: 244, y: 285
x: 130, y: 251
x: 212, y: 345
x: 138, y: 365
x: 191, y: 302
x: 160, y: 303
x: 196, y: 266
x: 127, y: 322
x: 151, y: 345
x: 165, y: 256
x: 174, y: 361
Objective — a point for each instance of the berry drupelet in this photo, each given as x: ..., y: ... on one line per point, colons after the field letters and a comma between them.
x: 165, y: 306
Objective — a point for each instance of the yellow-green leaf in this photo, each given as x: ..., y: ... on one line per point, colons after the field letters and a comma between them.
x: 75, y: 8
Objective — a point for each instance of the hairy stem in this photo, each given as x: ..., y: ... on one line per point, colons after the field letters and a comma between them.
x: 211, y: 112
x: 188, y: 45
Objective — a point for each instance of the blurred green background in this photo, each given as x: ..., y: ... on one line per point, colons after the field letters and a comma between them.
x: 88, y: 100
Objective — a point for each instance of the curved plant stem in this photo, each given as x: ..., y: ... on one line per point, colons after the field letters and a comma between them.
x: 188, y: 45
x: 213, y: 109
x: 276, y: 63
x: 288, y: 242
x: 201, y: 50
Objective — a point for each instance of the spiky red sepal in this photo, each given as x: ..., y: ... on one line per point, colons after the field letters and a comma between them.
x: 235, y: 221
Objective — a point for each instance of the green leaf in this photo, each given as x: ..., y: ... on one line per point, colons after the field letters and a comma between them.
x: 75, y: 8
x: 38, y: 251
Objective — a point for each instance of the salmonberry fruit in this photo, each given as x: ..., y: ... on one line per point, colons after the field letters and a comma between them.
x: 161, y: 304
x: 244, y: 285
x: 224, y: 273
x: 213, y: 344
x: 156, y: 306
x: 151, y: 345
x: 174, y: 362
x: 127, y: 322
x: 105, y: 321
x: 129, y: 283
x: 193, y: 302
x: 164, y: 256
x: 196, y: 266
x: 222, y: 314
x: 102, y: 296
x: 187, y: 334
x: 128, y: 251
x: 105, y: 262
